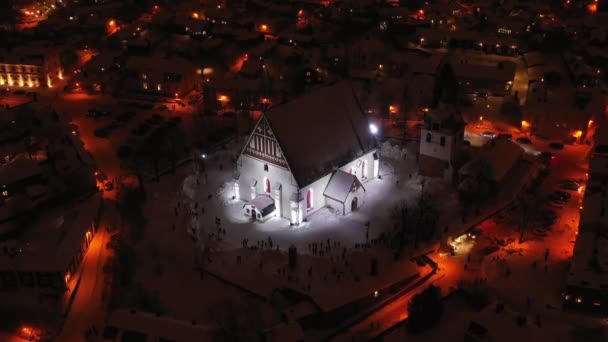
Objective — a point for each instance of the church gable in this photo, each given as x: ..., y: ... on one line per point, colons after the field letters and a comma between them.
x: 263, y: 145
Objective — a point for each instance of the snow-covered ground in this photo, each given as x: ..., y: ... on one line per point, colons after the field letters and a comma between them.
x: 212, y: 191
x: 182, y: 224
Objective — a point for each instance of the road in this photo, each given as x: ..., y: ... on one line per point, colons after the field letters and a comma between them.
x: 88, y: 306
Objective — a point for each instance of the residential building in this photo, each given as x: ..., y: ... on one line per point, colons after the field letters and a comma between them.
x: 30, y: 66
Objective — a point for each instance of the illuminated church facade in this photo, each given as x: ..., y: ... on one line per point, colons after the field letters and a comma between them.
x: 314, y: 152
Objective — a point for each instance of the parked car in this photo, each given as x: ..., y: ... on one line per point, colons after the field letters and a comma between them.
x: 556, y: 146
x: 556, y: 204
x: 125, y: 116
x: 141, y: 129
x: 524, y: 140
x: 488, y: 134
x: 97, y: 112
x: 506, y: 136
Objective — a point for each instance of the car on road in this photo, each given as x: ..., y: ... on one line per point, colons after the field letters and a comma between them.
x: 474, y: 233
x: 577, y: 182
x: 100, y: 176
x: 545, y: 155
x: 490, y: 249
x: 569, y: 185
x: 488, y: 134
x: 556, y: 146
x: 108, y: 186
x: 428, y: 261
x: 524, y: 140
x: 563, y: 195
x: 505, y: 136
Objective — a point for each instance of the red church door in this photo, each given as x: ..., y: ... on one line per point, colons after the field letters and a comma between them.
x: 309, y: 199
x: 363, y: 170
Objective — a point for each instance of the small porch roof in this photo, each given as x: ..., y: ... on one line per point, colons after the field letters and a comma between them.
x: 340, y: 184
x: 262, y: 202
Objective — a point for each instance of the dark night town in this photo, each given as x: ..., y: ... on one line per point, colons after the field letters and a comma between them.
x: 303, y: 170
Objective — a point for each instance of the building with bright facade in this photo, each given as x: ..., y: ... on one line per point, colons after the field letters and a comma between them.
x: 30, y: 66
x: 313, y: 152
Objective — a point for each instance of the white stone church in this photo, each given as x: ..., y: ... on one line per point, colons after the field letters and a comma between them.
x: 312, y: 152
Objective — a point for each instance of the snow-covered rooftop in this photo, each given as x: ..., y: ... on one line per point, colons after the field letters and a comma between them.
x: 262, y: 202
x: 340, y: 185
x: 500, y: 155
x: 320, y: 131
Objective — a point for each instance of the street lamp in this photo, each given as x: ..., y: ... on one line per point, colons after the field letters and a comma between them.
x: 373, y: 129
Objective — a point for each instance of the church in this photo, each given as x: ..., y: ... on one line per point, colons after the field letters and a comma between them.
x: 313, y: 152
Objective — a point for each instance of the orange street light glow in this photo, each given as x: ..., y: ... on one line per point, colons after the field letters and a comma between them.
x: 264, y: 27
x: 223, y: 98
x: 112, y: 23
x: 195, y: 15
x: 525, y: 124
x: 592, y: 8
x: 578, y: 134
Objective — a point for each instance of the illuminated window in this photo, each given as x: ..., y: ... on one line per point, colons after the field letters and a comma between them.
x: 145, y: 86
x: 158, y: 87
x: 309, y: 199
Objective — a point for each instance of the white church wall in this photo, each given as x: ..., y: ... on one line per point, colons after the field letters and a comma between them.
x: 356, y: 166
x: 318, y: 187
x: 335, y: 205
x: 434, y: 148
x: 250, y: 168
x: 359, y: 194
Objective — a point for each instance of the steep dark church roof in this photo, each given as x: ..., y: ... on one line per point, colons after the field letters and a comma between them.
x: 321, y: 131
